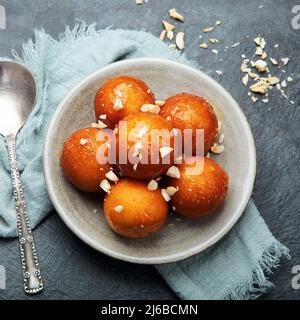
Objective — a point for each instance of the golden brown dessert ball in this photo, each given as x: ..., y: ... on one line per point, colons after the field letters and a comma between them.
x: 187, y: 111
x: 140, y: 145
x: 133, y: 211
x: 78, y: 160
x: 200, y: 194
x: 119, y: 97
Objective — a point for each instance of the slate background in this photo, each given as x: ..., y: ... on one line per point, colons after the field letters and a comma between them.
x: 73, y: 270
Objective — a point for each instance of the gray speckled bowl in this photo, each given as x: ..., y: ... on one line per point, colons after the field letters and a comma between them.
x: 178, y: 239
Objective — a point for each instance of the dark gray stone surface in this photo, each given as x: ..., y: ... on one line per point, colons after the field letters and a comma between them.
x: 73, y: 270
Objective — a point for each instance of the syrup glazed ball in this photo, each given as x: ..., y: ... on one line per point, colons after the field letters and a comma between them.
x: 199, y: 195
x: 187, y: 111
x: 78, y: 160
x: 119, y: 97
x: 141, y: 146
x: 133, y: 211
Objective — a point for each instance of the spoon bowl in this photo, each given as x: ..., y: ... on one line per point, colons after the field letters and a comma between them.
x: 18, y: 90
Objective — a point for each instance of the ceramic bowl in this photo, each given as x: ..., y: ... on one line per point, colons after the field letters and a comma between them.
x: 180, y: 238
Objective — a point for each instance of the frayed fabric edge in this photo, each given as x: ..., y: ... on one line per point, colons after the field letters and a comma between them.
x: 258, y: 282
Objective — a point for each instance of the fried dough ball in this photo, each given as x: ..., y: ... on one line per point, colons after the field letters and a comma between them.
x: 187, y: 111
x: 148, y: 155
x: 78, y: 160
x: 119, y: 97
x: 133, y: 211
x: 199, y: 194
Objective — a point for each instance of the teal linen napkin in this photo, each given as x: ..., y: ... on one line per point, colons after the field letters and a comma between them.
x: 234, y: 268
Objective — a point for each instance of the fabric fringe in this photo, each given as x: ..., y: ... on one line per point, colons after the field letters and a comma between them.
x: 258, y: 283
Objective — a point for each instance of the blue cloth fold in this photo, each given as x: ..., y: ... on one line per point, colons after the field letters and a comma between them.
x: 235, y: 268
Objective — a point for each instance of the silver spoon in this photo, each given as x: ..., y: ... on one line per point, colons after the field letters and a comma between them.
x: 18, y: 91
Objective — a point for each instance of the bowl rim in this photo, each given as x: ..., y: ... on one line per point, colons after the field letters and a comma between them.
x: 173, y: 257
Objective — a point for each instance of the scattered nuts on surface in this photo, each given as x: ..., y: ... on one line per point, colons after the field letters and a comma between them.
x: 180, y: 40
x: 208, y: 29
x: 176, y: 15
x: 245, y: 80
x: 203, y: 46
x: 274, y: 61
x: 168, y: 26
x: 171, y: 190
x: 285, y: 61
x: 260, y: 65
x: 170, y: 35
x: 162, y: 35
x: 259, y: 87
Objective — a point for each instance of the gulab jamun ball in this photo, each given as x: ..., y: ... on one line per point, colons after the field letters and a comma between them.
x: 133, y: 211
x: 119, y: 97
x: 198, y: 195
x: 187, y: 111
x: 148, y: 157
x: 79, y: 162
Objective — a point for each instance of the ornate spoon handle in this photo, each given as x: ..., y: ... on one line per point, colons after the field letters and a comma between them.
x: 31, y: 273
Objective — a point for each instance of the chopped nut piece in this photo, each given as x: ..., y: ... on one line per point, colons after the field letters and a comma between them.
x: 171, y: 190
x: 259, y: 87
x: 273, y: 80
x: 164, y: 151
x: 203, y: 45
x: 283, y: 84
x: 289, y: 79
x: 118, y: 105
x: 257, y: 40
x: 221, y: 138
x: 83, y: 141
x: 170, y: 35
x: 217, y: 148
x: 180, y: 40
x: 176, y: 15
x: 165, y: 195
x: 264, y: 55
x: 152, y: 185
x: 274, y: 61
x: 259, y: 51
x: 265, y: 100
x: 208, y: 29
x: 213, y: 40
x: 119, y: 208
x: 215, y: 51
x: 285, y: 61
x: 244, y: 68
x: 235, y: 44
x: 105, y: 185
x: 160, y: 103
x: 260, y: 65
x: 153, y: 108
x: 162, y: 35
x: 110, y: 175
x: 254, y: 99
x: 218, y: 22
x: 173, y: 172
x: 253, y: 75
x: 262, y: 43
x: 276, y: 45
x: 139, y: 1
x: 219, y: 72
x: 102, y: 116
x: 168, y: 26
x: 245, y: 80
